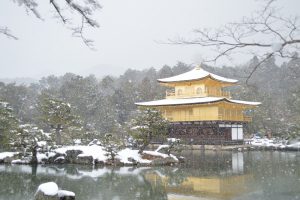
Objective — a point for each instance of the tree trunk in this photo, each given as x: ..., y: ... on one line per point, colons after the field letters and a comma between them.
x: 58, y: 134
x: 141, y: 150
x: 34, y: 160
x: 143, y: 147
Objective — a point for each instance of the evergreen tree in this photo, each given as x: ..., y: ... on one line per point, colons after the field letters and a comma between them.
x: 148, y: 125
x: 8, y: 124
x: 294, y: 106
x: 58, y: 115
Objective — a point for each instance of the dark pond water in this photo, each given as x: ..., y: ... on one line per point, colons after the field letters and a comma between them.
x: 205, y: 175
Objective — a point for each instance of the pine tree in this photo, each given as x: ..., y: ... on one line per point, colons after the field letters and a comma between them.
x: 59, y: 116
x: 8, y: 124
x: 147, y: 125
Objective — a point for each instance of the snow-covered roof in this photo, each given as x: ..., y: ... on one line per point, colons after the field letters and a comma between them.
x: 184, y: 101
x: 196, y: 74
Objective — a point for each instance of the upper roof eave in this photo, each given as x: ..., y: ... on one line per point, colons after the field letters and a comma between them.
x: 208, y: 76
x: 194, y: 75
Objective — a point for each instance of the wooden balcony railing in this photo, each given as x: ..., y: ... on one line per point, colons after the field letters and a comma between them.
x: 243, y: 118
x: 209, y: 117
x: 247, y: 118
x: 207, y: 93
x: 170, y: 94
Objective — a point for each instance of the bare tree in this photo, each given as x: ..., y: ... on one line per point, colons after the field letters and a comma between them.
x: 266, y: 33
x: 75, y: 14
x: 7, y: 32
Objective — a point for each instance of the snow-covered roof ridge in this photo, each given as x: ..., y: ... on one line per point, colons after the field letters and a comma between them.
x: 196, y: 74
x: 198, y: 100
x: 254, y: 103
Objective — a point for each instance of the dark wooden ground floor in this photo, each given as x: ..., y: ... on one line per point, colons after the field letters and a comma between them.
x: 209, y: 132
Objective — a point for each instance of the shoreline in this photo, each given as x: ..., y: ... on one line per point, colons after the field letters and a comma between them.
x: 242, y: 147
x: 148, y: 158
x: 92, y: 155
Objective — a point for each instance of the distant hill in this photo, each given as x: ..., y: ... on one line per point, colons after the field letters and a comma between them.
x: 19, y: 81
x: 102, y: 70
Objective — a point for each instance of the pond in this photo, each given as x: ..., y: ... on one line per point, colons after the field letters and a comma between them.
x: 204, y: 175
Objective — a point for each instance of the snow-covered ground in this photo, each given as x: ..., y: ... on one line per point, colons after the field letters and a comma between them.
x: 97, y: 152
x: 125, y: 156
x: 281, y: 144
x: 7, y: 154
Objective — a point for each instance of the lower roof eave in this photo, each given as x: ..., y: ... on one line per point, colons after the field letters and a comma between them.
x: 193, y: 101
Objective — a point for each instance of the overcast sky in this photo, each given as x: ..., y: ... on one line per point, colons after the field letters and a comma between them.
x: 128, y: 37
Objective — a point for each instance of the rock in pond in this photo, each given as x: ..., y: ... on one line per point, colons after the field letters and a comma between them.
x: 86, y: 160
x: 65, y: 195
x: 71, y: 156
x: 164, y: 161
x: 49, y: 191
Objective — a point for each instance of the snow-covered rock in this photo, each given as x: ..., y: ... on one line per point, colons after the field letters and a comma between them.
x: 60, y: 160
x: 97, y: 152
x: 66, y: 195
x: 129, y: 156
x: 21, y: 161
x: 50, y: 191
x: 47, y: 191
x: 41, y: 157
x: 164, y: 161
x: 7, y: 157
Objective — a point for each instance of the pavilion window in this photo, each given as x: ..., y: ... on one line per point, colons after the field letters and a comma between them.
x: 206, y: 89
x: 199, y: 90
x: 179, y: 92
x: 227, y: 113
x: 239, y: 113
x: 169, y: 113
x: 221, y: 111
x: 233, y: 114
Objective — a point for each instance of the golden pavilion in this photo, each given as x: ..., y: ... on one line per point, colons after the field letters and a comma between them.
x: 200, y: 110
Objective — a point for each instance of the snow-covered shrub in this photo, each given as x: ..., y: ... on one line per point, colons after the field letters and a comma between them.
x: 111, y: 146
x: 30, y: 139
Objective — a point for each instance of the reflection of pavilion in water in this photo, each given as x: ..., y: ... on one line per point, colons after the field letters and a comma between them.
x: 231, y: 183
